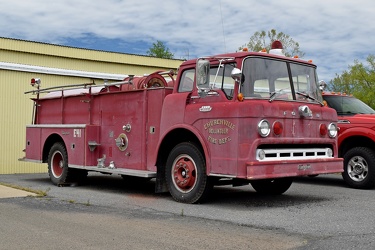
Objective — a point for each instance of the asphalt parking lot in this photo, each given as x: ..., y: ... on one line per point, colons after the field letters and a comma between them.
x: 315, y: 213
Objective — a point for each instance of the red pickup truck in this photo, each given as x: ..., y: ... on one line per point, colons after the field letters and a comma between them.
x: 356, y: 140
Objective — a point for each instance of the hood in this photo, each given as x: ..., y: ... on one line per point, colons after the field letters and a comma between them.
x: 358, y: 119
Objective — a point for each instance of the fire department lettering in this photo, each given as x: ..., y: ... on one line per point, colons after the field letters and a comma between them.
x: 77, y: 132
x: 219, y: 122
x: 212, y: 130
x: 218, y: 131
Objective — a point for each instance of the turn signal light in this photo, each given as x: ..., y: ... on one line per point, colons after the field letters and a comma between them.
x: 323, y: 129
x: 240, y: 97
x: 277, y: 128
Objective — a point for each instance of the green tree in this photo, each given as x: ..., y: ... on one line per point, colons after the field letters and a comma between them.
x: 159, y: 50
x: 358, y: 80
x: 263, y: 40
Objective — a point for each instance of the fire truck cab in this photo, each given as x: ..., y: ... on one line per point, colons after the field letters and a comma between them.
x: 236, y: 118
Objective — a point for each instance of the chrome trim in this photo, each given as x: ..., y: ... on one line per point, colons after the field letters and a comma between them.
x: 119, y: 171
x: 56, y: 126
x: 293, y: 154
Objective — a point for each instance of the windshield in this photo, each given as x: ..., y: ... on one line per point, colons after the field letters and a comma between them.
x: 346, y: 105
x: 270, y: 78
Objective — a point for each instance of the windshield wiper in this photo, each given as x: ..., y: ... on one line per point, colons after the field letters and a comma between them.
x: 309, y: 97
x: 274, y: 94
x: 345, y: 113
x: 352, y: 113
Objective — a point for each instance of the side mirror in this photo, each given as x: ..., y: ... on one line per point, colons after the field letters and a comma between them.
x: 236, y: 74
x: 203, y: 73
x: 322, y: 85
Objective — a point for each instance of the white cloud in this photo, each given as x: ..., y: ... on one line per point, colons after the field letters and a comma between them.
x: 332, y: 33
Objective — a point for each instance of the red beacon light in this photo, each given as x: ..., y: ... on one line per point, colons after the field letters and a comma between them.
x: 277, y: 48
x: 276, y: 45
x: 35, y: 81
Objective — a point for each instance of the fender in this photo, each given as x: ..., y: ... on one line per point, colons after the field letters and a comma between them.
x: 356, y: 131
x: 196, y: 133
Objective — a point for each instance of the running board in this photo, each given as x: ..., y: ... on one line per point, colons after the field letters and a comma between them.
x: 119, y: 171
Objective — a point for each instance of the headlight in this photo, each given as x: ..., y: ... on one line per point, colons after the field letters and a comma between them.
x: 332, y: 130
x: 264, y: 128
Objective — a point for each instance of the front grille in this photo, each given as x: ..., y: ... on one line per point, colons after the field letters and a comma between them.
x: 292, y: 154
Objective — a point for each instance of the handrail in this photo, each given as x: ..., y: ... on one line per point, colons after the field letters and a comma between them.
x: 78, y: 86
x: 75, y: 86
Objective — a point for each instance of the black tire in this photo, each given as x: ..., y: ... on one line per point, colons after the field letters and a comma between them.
x: 359, y: 168
x: 272, y: 186
x: 185, y: 174
x: 58, y: 170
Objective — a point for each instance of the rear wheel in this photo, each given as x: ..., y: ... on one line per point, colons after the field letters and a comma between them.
x: 186, y: 174
x: 58, y: 170
x: 272, y: 186
x: 359, y: 168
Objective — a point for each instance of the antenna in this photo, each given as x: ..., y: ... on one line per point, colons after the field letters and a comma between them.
x: 222, y: 25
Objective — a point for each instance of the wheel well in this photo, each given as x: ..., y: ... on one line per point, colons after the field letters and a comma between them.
x: 52, y: 139
x: 171, y: 140
x: 355, y: 141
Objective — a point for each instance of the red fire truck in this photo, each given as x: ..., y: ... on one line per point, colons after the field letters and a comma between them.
x: 236, y: 118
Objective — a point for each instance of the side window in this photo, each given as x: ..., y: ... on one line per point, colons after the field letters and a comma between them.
x: 220, y: 77
x: 187, y: 81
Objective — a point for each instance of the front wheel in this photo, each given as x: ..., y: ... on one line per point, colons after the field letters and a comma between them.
x: 272, y: 186
x: 359, y: 168
x: 186, y: 174
x: 58, y: 164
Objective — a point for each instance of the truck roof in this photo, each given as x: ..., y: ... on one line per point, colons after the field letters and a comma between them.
x: 243, y: 54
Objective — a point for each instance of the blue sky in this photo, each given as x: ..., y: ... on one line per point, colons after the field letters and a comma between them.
x: 332, y: 33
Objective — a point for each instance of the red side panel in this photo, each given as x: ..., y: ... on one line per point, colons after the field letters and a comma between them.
x: 69, y: 110
x: 81, y: 141
x: 155, y: 104
x: 33, y: 144
x: 92, y: 144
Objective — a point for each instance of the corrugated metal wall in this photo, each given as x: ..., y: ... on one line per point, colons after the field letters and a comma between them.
x: 16, y: 107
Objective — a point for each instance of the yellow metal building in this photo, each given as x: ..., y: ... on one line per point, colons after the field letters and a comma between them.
x: 55, y: 65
